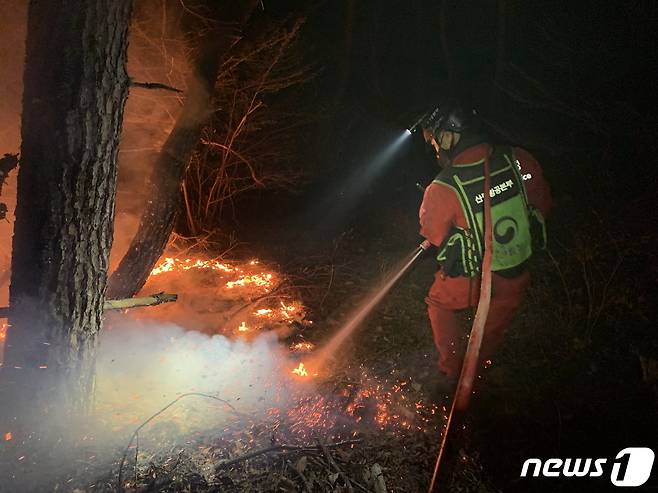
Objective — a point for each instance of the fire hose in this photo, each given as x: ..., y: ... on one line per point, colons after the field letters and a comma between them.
x: 471, y: 362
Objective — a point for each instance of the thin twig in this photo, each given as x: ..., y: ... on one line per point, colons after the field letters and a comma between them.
x: 307, y: 485
x: 270, y: 294
x: 326, y: 293
x: 136, y: 432
x: 281, y: 448
x: 333, y: 464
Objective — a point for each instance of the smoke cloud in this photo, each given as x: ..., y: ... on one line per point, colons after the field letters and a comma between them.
x: 141, y: 367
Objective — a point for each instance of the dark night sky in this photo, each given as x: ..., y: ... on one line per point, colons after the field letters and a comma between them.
x: 591, y: 55
x: 589, y: 65
x: 576, y: 89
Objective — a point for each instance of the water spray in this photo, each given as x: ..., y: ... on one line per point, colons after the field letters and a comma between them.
x: 367, y: 306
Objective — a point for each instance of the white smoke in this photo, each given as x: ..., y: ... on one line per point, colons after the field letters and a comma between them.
x: 143, y: 365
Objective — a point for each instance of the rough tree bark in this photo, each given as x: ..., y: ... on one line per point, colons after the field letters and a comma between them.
x: 164, y: 204
x: 75, y: 88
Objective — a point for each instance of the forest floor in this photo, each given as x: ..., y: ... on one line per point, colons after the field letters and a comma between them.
x: 574, y: 377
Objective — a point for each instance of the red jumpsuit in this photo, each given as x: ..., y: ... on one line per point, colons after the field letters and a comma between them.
x: 439, y: 212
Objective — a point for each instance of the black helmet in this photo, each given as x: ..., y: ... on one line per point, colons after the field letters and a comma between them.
x: 451, y: 117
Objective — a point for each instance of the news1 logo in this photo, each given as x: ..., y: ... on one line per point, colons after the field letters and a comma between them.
x: 631, y: 467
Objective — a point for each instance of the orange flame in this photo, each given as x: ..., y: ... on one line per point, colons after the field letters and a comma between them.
x: 8, y: 436
x: 302, y: 346
x: 170, y: 264
x: 300, y: 370
x: 260, y: 280
x: 237, y: 279
x: 263, y: 312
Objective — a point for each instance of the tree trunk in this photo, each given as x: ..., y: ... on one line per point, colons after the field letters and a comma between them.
x: 75, y: 88
x: 161, y: 211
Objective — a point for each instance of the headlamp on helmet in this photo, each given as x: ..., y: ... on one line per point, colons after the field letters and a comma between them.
x: 450, y: 118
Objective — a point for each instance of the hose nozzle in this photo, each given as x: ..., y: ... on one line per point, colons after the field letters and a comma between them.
x: 425, y: 245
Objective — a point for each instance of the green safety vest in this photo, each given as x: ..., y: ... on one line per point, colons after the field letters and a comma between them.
x: 462, y: 252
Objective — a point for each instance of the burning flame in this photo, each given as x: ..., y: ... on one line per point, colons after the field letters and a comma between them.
x: 263, y: 312
x: 8, y: 436
x: 170, y: 264
x: 287, y: 310
x: 302, y: 346
x: 3, y: 331
x: 232, y: 282
x: 300, y: 370
x: 260, y: 280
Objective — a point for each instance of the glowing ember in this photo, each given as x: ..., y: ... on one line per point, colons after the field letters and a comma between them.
x: 300, y: 370
x: 263, y: 312
x: 8, y: 436
x: 260, y: 280
x: 302, y: 346
x: 287, y: 310
x: 395, y: 407
x: 243, y: 327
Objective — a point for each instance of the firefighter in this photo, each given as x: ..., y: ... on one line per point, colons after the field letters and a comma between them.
x: 451, y: 219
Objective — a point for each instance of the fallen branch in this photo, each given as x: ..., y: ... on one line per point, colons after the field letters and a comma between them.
x: 335, y: 467
x: 154, y: 299
x: 282, y: 448
x: 123, y: 304
x: 307, y: 486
